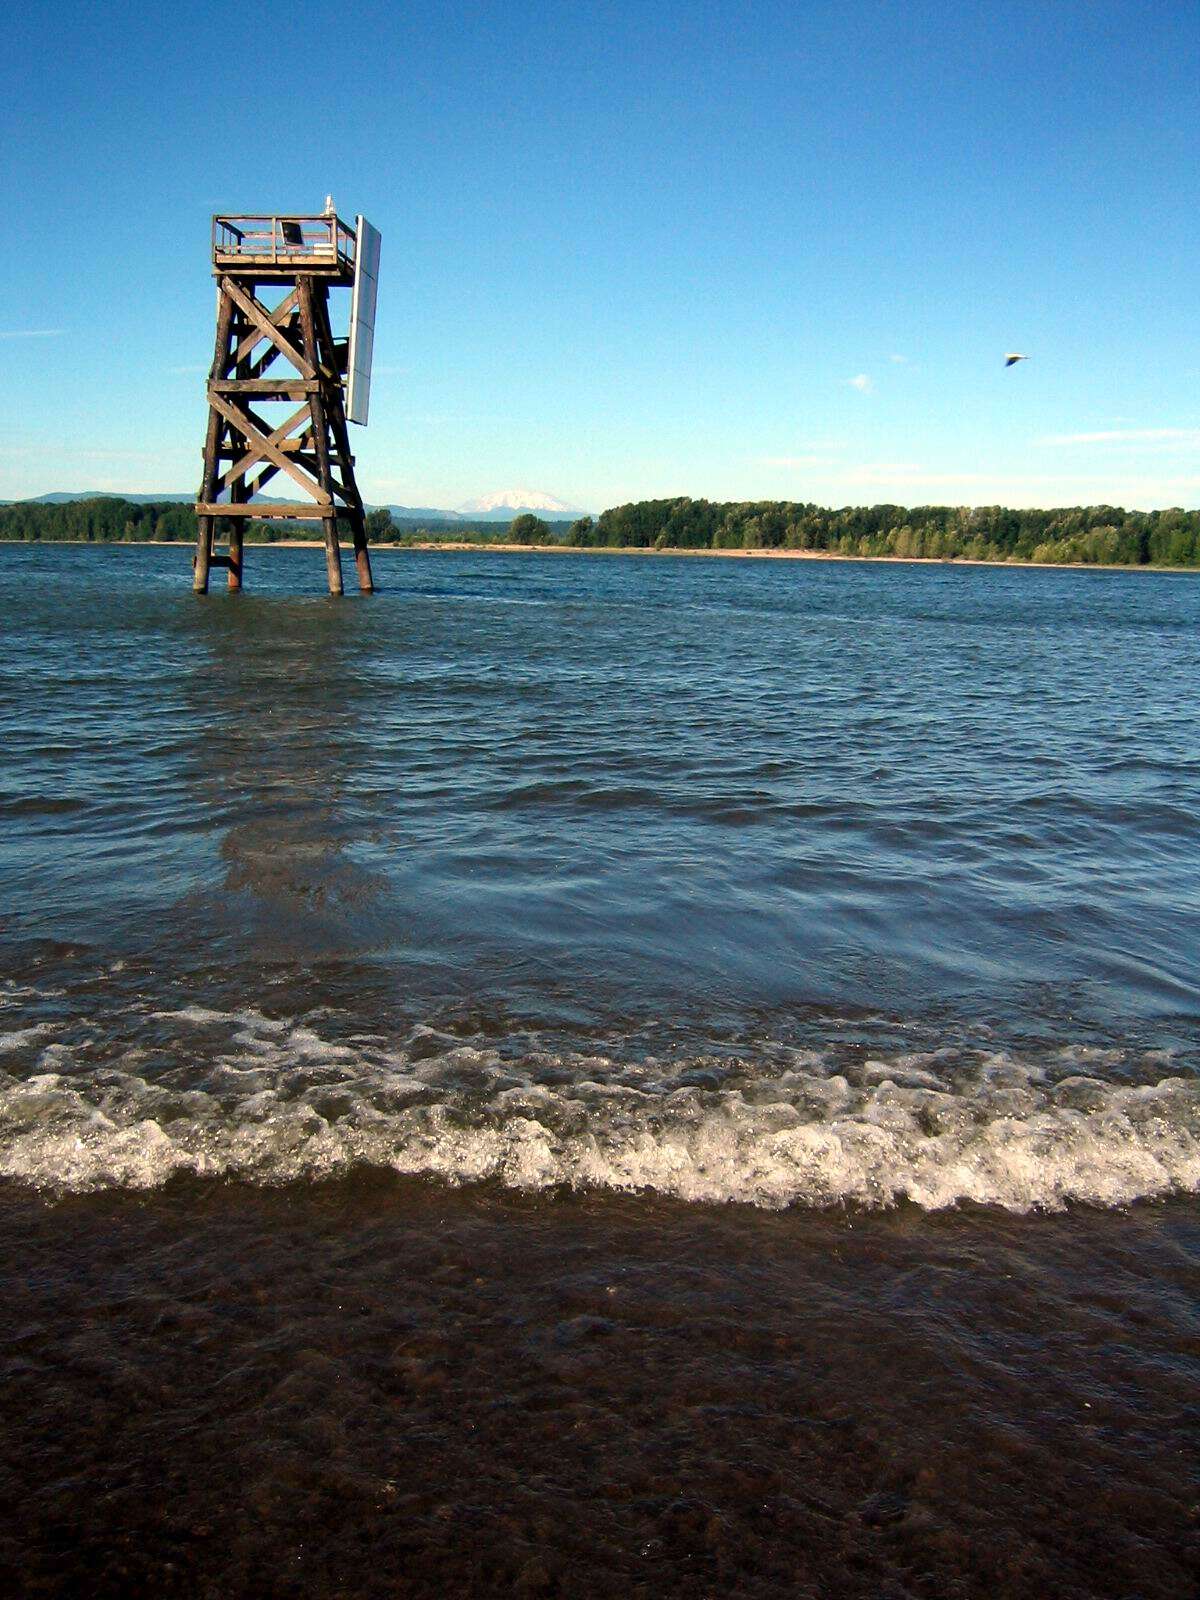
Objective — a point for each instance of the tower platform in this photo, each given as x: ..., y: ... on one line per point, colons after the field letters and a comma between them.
x: 280, y: 246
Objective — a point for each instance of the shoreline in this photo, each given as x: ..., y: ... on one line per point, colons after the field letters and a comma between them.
x: 458, y: 546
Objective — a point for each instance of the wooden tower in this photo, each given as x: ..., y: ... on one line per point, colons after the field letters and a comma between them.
x: 283, y: 387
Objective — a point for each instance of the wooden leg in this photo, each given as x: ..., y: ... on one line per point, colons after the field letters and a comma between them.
x: 203, y: 555
x: 320, y: 428
x: 362, y: 557
x: 235, y: 553
x: 335, y: 418
x: 333, y: 556
x: 212, y: 442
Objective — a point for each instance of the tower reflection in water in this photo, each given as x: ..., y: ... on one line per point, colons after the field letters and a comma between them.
x: 281, y: 709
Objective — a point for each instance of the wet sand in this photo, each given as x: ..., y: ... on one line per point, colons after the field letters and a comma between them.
x: 391, y: 1388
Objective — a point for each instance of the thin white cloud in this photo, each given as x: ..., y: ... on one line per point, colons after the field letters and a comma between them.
x: 1187, y: 438
x: 31, y: 333
x: 899, y: 361
x: 862, y: 382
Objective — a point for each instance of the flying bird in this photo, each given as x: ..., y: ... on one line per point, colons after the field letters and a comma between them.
x: 1013, y: 357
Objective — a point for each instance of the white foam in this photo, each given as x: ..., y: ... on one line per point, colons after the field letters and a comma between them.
x: 277, y: 1103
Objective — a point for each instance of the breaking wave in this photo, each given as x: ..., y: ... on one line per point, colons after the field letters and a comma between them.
x: 273, y: 1102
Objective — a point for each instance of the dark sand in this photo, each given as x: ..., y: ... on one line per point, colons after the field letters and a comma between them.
x: 380, y: 1388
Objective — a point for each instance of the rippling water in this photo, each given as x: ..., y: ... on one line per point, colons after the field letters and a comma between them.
x: 810, y: 885
x: 785, y: 882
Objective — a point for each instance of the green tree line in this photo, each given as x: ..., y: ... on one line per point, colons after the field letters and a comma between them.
x: 1095, y: 535
x: 109, y: 520
x: 1099, y: 535
x: 525, y: 529
x: 100, y: 521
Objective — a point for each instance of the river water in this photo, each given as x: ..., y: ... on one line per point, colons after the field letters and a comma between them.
x: 590, y: 1074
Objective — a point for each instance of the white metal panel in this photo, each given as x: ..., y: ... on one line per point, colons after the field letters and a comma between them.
x: 362, y: 321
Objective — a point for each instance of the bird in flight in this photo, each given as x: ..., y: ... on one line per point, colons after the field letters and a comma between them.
x: 1013, y: 357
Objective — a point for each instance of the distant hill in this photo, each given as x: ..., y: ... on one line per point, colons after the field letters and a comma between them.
x: 59, y: 498
x: 423, y: 514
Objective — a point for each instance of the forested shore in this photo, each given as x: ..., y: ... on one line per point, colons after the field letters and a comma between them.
x: 1092, y: 535
x: 1088, y: 535
x: 107, y: 519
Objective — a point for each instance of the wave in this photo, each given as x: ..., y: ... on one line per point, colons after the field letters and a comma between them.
x: 273, y: 1102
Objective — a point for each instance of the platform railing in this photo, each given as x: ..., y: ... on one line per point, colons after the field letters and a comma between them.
x: 282, y: 240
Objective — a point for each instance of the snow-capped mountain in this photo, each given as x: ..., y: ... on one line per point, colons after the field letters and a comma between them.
x: 508, y: 502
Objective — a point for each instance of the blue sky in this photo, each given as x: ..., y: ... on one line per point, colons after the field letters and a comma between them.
x: 631, y: 249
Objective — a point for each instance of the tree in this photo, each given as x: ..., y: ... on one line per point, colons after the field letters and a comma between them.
x: 528, y: 529
x: 380, y: 525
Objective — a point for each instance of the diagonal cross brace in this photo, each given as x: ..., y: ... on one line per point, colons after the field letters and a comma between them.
x: 263, y: 446
x: 282, y: 312
x: 254, y: 313
x: 251, y: 456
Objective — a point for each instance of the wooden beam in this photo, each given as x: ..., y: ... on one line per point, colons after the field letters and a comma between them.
x: 264, y: 388
x: 291, y: 447
x: 208, y: 484
x: 336, y: 415
x: 238, y: 495
x: 267, y: 270
x: 307, y: 512
x: 335, y: 408
x: 333, y: 556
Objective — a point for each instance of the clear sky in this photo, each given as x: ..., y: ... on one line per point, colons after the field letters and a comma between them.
x: 645, y: 247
